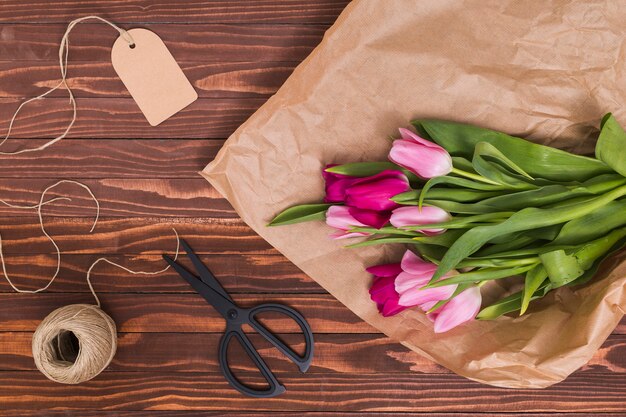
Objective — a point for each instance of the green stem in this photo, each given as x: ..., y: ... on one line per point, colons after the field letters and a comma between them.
x: 475, y: 177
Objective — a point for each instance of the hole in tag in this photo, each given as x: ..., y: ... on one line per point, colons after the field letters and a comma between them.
x: 132, y: 46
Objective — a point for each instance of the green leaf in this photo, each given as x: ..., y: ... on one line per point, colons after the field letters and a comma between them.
x: 489, y: 162
x: 561, y: 267
x: 589, y: 252
x: 534, y: 278
x: 461, y: 182
x: 534, y: 198
x: 460, y: 208
x: 463, y: 222
x: 301, y: 213
x: 445, y: 239
x: 484, y: 274
x: 525, y: 219
x: 589, y: 273
x: 611, y: 146
x: 510, y: 304
x: 366, y: 169
x: 593, y: 225
x: 381, y: 241
x: 451, y: 194
x: 537, y: 160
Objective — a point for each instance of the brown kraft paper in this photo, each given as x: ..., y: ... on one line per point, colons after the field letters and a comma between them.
x: 544, y: 70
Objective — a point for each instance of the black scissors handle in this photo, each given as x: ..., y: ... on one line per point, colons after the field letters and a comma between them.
x: 249, y: 317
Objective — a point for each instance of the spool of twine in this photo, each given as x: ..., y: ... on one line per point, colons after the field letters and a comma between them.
x: 73, y: 344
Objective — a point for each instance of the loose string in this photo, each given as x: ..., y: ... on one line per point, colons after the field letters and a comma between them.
x: 63, y: 55
x: 39, y: 207
x: 127, y: 269
x: 43, y: 229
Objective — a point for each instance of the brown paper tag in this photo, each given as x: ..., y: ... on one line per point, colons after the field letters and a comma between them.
x: 152, y: 76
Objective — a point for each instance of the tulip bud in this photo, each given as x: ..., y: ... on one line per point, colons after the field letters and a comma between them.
x: 336, y: 185
x: 415, y: 216
x: 375, y: 192
x: 382, y: 290
x: 345, y: 218
x: 420, y: 156
x: 462, y: 308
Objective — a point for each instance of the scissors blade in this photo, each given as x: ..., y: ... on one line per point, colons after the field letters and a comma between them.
x: 205, y: 274
x: 212, y: 296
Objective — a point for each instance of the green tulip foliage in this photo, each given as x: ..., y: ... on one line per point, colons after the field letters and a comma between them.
x: 517, y: 209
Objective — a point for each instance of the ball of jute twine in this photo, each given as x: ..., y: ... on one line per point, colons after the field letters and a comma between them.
x: 74, y: 343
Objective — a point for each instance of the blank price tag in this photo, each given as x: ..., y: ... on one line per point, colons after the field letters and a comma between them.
x: 152, y: 76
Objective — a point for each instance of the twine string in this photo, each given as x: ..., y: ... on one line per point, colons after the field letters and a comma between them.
x: 55, y: 352
x: 63, y: 56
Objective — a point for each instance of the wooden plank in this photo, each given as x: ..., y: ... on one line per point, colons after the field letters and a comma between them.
x: 20, y: 79
x: 118, y: 197
x: 130, y: 236
x: 321, y: 392
x: 350, y: 354
x: 185, y: 313
x: 198, y: 43
x: 111, y: 158
x: 121, y: 118
x: 238, y: 273
x: 184, y: 11
x: 187, y: 413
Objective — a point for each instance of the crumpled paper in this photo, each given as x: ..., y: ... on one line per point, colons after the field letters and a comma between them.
x: 545, y: 70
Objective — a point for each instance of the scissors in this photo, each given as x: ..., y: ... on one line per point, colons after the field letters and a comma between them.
x: 209, y: 287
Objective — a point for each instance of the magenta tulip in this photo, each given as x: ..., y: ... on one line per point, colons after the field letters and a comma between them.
x: 375, y: 192
x: 336, y: 185
x: 345, y: 218
x: 462, y: 308
x: 414, y: 216
x: 399, y: 286
x: 420, y: 156
x: 382, y: 290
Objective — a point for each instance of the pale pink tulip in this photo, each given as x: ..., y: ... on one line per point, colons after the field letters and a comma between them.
x: 420, y: 156
x: 415, y: 216
x: 462, y: 308
x: 345, y: 218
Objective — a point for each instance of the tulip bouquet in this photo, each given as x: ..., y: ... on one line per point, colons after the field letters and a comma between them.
x: 475, y: 205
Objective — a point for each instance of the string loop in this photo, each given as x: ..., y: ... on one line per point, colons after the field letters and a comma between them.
x: 63, y: 54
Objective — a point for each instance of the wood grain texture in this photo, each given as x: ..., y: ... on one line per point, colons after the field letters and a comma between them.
x: 349, y: 354
x: 91, y: 80
x: 263, y: 272
x: 374, y: 392
x: 183, y: 313
x: 121, y: 118
x: 188, y: 43
x: 184, y: 11
x: 110, y: 159
x: 192, y: 413
x: 236, y: 53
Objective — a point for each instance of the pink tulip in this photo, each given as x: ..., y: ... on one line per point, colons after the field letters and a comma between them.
x: 382, y: 290
x: 398, y: 286
x: 417, y: 273
x: 462, y: 308
x: 375, y: 192
x: 420, y: 156
x: 414, y: 216
x: 336, y: 185
x: 345, y: 218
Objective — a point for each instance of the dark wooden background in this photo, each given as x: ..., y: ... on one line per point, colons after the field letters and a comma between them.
x: 236, y: 53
